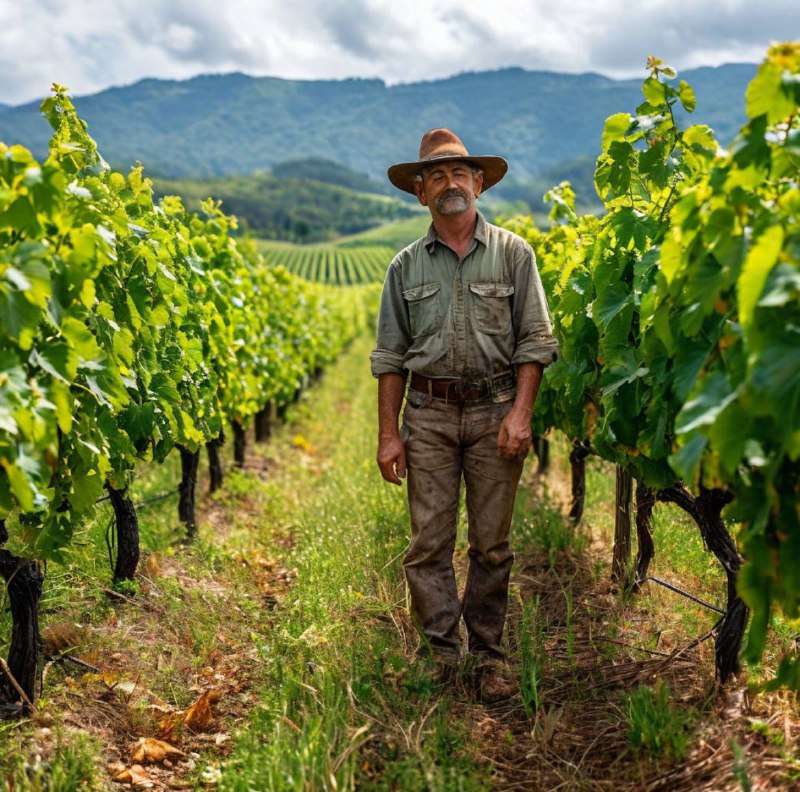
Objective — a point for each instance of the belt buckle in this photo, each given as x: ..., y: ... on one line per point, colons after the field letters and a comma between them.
x: 479, y: 386
x: 503, y: 387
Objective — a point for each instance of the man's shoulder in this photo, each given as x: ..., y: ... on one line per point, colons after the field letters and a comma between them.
x: 505, y: 235
x: 507, y: 241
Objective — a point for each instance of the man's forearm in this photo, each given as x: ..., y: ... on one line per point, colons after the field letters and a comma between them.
x: 529, y: 378
x: 514, y: 437
x: 390, y: 398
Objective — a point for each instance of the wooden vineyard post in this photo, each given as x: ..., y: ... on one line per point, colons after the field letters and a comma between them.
x: 622, y: 525
x: 263, y: 424
x: 23, y: 580
x: 541, y: 445
x: 190, y: 461
x: 215, y: 472
x: 577, y: 463
x: 239, y: 443
x: 127, y: 524
x: 645, y: 501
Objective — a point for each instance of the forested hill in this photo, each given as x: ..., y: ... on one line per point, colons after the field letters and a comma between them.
x: 224, y: 124
x: 279, y: 206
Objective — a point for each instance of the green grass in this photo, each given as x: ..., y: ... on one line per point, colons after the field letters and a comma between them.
x: 544, y: 529
x: 71, y: 764
x: 655, y: 726
x: 599, y: 503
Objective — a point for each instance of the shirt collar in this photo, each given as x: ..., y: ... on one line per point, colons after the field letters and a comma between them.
x: 479, y: 235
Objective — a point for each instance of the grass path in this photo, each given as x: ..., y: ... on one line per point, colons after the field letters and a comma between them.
x: 291, y: 608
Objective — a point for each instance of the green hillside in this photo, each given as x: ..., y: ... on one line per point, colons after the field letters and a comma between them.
x: 332, y: 173
x: 394, y: 235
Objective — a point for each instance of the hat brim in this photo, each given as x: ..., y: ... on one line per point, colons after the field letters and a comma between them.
x: 403, y: 175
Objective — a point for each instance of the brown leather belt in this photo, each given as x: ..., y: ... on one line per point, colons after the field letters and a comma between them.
x: 458, y: 391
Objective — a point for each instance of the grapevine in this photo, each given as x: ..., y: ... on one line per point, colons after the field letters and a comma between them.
x: 677, y: 313
x: 129, y: 328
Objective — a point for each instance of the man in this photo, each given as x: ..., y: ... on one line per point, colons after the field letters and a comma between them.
x: 462, y: 311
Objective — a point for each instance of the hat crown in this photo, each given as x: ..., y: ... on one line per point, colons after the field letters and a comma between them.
x: 441, y: 143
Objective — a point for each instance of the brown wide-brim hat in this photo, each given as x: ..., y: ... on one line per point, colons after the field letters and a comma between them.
x: 443, y: 145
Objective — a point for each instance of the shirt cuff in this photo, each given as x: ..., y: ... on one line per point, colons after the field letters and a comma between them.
x: 541, y: 349
x: 384, y: 361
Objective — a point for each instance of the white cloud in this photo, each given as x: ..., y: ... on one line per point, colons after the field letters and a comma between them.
x: 91, y: 44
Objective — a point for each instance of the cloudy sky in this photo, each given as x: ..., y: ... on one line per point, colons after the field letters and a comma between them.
x: 89, y: 45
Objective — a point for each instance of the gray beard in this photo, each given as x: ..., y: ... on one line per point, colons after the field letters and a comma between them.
x: 452, y: 203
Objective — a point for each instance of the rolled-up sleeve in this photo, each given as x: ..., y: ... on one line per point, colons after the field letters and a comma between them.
x: 533, y: 328
x: 394, y: 330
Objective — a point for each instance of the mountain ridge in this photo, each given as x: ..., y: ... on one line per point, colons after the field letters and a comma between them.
x: 223, y: 124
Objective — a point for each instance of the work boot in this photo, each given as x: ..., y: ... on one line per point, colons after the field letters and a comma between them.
x: 439, y: 669
x: 494, y: 682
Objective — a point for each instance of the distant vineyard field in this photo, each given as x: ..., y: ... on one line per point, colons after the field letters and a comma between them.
x: 330, y: 264
x: 397, y: 234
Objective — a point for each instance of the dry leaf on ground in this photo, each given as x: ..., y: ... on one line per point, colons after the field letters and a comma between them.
x: 168, y: 724
x: 135, y: 776
x: 60, y: 637
x: 151, y: 751
x: 199, y: 716
x: 153, y: 565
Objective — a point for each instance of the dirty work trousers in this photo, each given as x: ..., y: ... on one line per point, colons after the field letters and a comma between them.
x: 444, y: 442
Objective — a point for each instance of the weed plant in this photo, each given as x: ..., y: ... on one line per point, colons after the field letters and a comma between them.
x: 655, y: 726
x: 531, y: 656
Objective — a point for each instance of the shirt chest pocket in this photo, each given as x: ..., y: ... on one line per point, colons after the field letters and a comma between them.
x: 424, y: 309
x: 491, y: 307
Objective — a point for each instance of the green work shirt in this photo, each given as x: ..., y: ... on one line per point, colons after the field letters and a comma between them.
x: 466, y: 319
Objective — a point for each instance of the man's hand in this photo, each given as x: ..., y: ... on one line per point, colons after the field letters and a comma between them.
x: 391, y: 452
x: 392, y: 459
x: 515, y: 437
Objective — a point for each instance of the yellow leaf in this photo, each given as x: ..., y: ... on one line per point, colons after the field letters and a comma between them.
x: 88, y: 293
x: 199, y: 716
x: 168, y: 724
x: 301, y: 442
x: 151, y: 751
x: 153, y: 566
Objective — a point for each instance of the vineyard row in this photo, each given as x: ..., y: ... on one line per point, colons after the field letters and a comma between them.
x: 678, y: 313
x: 339, y: 266
x: 128, y: 329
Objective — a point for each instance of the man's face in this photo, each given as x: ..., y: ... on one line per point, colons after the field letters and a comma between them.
x: 449, y: 188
